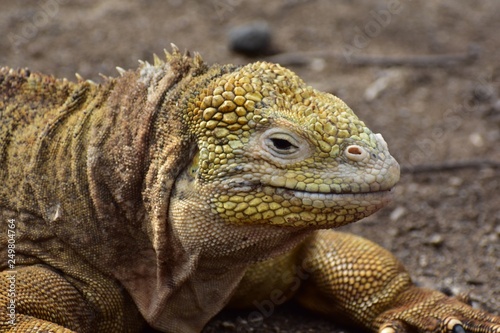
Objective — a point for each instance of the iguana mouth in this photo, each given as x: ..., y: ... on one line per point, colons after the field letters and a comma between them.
x: 309, y: 198
x: 325, y: 209
x: 295, y: 208
x: 323, y: 195
x: 327, y: 200
x: 250, y: 186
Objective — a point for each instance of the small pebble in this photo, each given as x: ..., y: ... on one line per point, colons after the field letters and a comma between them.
x: 455, y: 181
x: 476, y: 139
x: 435, y: 240
x: 397, y: 213
x: 250, y: 39
x: 228, y: 325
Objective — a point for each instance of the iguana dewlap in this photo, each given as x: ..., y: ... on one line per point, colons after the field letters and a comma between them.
x: 165, y: 194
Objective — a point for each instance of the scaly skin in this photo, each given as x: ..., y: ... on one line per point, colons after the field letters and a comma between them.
x: 177, y: 189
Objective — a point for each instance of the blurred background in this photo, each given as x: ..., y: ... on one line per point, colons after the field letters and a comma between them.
x: 425, y: 74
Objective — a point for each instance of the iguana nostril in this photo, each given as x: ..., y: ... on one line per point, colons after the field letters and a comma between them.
x: 356, y: 153
x: 354, y: 150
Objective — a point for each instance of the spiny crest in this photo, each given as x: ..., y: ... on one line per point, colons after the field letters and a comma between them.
x: 81, y: 79
x: 174, y: 58
x: 7, y: 71
x: 174, y: 61
x: 34, y: 78
x: 121, y: 70
x: 176, y: 55
x: 175, y: 52
x: 105, y: 77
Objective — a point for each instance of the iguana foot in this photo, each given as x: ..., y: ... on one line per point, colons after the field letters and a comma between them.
x: 421, y: 310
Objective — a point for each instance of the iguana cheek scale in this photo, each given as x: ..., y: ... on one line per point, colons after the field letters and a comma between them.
x: 177, y: 189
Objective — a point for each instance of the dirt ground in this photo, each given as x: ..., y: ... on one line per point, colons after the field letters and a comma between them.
x: 426, y: 75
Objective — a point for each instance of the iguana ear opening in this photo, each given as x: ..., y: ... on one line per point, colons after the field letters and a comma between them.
x: 195, y: 165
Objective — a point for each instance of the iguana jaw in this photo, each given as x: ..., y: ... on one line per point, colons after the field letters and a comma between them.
x: 286, y: 207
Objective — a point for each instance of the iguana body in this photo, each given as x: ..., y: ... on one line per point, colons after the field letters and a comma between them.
x: 177, y: 189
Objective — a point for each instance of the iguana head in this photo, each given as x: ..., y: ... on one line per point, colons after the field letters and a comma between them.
x: 272, y: 150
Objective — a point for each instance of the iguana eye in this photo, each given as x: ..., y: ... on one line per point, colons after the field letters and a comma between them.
x: 284, y: 145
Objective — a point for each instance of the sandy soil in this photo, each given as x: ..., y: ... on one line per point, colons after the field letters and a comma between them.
x: 439, y: 114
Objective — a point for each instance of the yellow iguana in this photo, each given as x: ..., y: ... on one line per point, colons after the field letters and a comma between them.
x: 177, y: 189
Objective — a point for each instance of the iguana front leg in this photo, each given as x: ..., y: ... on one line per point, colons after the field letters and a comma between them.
x: 350, y: 278
x: 43, y: 301
x: 47, y: 302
